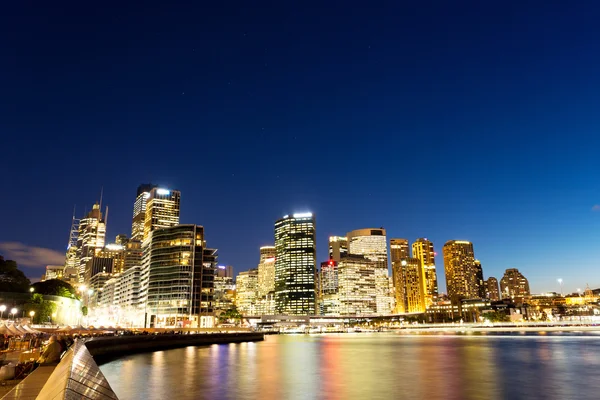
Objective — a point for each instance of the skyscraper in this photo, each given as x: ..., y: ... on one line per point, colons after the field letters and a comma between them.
x: 357, y: 285
x: 338, y: 247
x: 246, y: 292
x: 459, y: 265
x: 328, y: 288
x: 224, y: 288
x: 423, y: 250
x: 413, y: 276
x: 139, y: 211
x: 177, y: 277
x: 162, y: 209
x: 400, y: 252
x: 479, y: 277
x: 90, y: 240
x: 266, y: 270
x: 372, y: 244
x: 295, y: 264
x: 491, y: 288
x: 514, y: 285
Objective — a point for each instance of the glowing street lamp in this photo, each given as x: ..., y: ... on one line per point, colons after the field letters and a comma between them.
x: 2, y: 309
x: 31, y: 289
x: 31, y: 313
x: 13, y: 311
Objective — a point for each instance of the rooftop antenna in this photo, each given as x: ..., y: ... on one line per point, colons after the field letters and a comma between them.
x: 101, y: 194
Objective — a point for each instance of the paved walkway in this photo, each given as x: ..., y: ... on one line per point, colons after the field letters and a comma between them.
x: 30, y: 387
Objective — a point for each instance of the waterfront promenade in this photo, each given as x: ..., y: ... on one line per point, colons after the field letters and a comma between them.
x: 78, y: 376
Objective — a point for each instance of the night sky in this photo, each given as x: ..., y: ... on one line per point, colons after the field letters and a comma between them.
x: 448, y: 120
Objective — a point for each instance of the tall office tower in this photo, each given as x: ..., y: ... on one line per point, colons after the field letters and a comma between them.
x: 514, y: 285
x: 117, y: 253
x: 372, y: 244
x: 328, y: 288
x: 132, y: 254
x: 479, y: 277
x: 491, y: 288
x: 98, y: 271
x: 295, y: 264
x: 413, y: 274
x: 225, y: 271
x: 90, y: 240
x: 338, y: 247
x: 266, y: 270
x: 357, y: 285
x: 162, y: 210
x: 423, y: 250
x: 459, y: 265
x: 177, y: 277
x: 399, y: 249
x: 246, y: 291
x: 400, y: 252
x: 224, y: 288
x: 329, y: 277
x: 122, y: 239
x: 139, y: 211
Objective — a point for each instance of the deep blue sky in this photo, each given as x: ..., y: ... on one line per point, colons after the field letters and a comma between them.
x: 450, y: 120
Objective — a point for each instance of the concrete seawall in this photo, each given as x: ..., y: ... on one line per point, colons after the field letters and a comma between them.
x: 77, y: 376
x: 109, y: 348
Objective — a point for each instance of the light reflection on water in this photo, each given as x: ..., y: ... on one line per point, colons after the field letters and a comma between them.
x: 367, y: 366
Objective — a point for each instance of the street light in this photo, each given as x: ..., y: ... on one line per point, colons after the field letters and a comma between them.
x: 2, y: 309
x: 31, y: 314
x: 13, y: 312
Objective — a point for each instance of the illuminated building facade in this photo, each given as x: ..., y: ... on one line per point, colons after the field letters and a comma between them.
x: 139, y: 211
x: 117, y: 253
x: 295, y: 264
x: 422, y: 249
x: 491, y: 289
x: 246, y: 292
x: 53, y: 272
x: 224, y: 288
x: 266, y: 270
x: 90, y: 239
x: 132, y: 254
x: 338, y: 247
x: 400, y: 252
x: 479, y: 278
x: 514, y: 286
x: 413, y: 278
x: 162, y: 210
x: 357, y: 285
x: 372, y: 244
x: 459, y: 266
x: 177, y: 276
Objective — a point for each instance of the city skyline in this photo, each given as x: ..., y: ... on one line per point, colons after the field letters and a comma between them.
x: 438, y: 259
x: 497, y: 119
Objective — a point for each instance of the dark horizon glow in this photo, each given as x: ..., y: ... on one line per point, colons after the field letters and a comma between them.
x: 475, y: 121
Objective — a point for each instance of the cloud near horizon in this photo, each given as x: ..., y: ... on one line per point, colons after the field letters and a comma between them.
x: 596, y: 207
x: 31, y: 256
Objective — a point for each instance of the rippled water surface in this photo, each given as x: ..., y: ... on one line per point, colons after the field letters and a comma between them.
x: 367, y: 366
